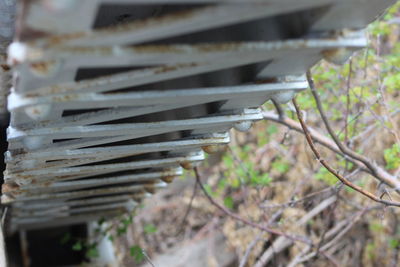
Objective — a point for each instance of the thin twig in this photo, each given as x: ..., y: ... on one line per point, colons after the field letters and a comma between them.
x: 395, y: 230
x: 295, y: 261
x: 328, y: 219
x: 333, y: 171
x: 331, y: 132
x: 328, y: 143
x: 338, y: 236
x: 366, y: 61
x: 248, y: 250
x: 189, y: 208
x: 147, y: 258
x: 245, y: 221
x: 346, y: 117
x: 244, y: 189
x: 386, y: 109
x: 331, y: 259
x: 292, y: 203
x: 281, y: 243
x: 316, y: 136
x: 376, y: 171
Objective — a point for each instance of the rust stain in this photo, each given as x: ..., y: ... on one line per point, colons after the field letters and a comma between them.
x: 157, y: 49
x: 9, y: 187
x: 137, y: 25
x: 330, y: 53
x: 168, y: 179
x: 211, y: 149
x: 27, y: 34
x: 103, y: 80
x: 138, y: 196
x: 166, y: 68
x: 87, y: 50
x: 187, y: 165
x: 65, y: 98
x: 150, y: 189
x: 218, y: 47
x: 202, y: 48
x: 59, y: 39
x: 42, y: 68
x: 266, y: 81
x: 5, y: 67
x: 17, y: 174
x: 35, y: 111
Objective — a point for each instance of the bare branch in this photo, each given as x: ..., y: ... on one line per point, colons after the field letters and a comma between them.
x: 282, y: 243
x: 189, y: 208
x: 245, y: 221
x: 329, y: 218
x: 316, y: 136
x: 346, y: 117
x: 248, y: 250
x: 376, y: 171
x: 333, y: 171
x: 338, y: 236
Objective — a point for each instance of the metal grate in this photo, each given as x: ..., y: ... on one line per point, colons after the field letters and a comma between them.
x: 104, y: 116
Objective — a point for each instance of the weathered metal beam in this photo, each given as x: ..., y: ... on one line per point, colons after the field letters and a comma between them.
x: 63, y: 173
x: 193, y: 20
x: 86, y: 143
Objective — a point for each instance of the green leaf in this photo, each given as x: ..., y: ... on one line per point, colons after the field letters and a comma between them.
x: 127, y: 221
x: 376, y: 227
x: 258, y: 179
x: 247, y: 149
x: 228, y: 202
x: 349, y: 189
x: 394, y: 243
x: 324, y: 175
x: 92, y: 252
x: 150, y: 229
x: 392, y: 82
x: 222, y: 183
x: 228, y: 161
x: 281, y: 166
x: 234, y: 182
x: 209, y: 190
x: 272, y: 129
x: 370, y: 250
x: 121, y: 230
x: 77, y: 246
x: 242, y: 173
x: 137, y: 253
x: 379, y: 28
x: 392, y: 157
x: 265, y: 179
